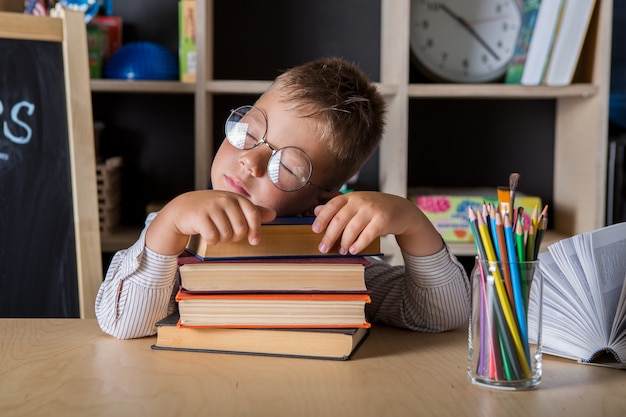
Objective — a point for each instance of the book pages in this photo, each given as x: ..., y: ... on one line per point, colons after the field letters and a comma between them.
x: 584, y: 295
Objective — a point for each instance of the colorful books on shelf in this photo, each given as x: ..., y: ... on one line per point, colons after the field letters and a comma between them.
x: 584, y: 298
x: 324, y: 343
x: 540, y: 46
x: 516, y: 66
x: 550, y: 42
x: 285, y: 236
x: 187, y: 49
x: 568, y: 42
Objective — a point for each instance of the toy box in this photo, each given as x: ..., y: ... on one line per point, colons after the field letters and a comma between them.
x: 112, y: 27
x: 448, y: 209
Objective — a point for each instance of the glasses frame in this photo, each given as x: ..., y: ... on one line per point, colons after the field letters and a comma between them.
x: 263, y: 141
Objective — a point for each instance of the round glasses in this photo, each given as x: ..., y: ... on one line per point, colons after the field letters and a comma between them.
x: 288, y: 168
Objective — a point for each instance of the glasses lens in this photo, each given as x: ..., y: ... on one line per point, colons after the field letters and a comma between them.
x: 245, y: 127
x: 289, y: 168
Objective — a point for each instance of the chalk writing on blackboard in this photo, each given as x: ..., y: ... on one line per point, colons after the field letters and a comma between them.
x: 14, y: 117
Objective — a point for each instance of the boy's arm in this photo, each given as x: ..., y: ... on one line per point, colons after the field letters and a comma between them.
x: 357, y: 218
x: 137, y: 291
x: 429, y: 294
x: 217, y: 216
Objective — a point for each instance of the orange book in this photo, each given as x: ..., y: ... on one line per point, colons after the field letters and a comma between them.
x: 283, y: 310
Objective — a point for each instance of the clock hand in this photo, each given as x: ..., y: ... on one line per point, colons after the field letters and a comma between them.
x: 486, y: 20
x: 469, y: 28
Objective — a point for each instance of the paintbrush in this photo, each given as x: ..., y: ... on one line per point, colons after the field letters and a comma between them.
x: 504, y: 202
x: 513, y: 183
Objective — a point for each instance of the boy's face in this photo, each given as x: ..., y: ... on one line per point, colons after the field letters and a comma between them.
x: 245, y: 171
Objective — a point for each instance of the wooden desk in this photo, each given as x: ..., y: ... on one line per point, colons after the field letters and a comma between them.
x: 68, y: 367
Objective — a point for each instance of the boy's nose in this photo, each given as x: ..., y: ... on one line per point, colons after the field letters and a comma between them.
x: 255, y: 160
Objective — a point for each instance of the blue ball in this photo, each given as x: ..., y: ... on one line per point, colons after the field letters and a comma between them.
x: 142, y: 61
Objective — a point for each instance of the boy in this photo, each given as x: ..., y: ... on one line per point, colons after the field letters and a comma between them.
x: 288, y: 155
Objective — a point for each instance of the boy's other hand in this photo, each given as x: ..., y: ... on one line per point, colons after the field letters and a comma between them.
x: 217, y: 216
x: 356, y: 219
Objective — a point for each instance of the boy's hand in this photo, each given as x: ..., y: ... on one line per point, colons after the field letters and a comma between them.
x: 356, y: 219
x: 217, y: 216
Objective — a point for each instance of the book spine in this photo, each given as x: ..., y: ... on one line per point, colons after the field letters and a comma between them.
x: 540, y: 47
x: 568, y: 42
x: 516, y: 67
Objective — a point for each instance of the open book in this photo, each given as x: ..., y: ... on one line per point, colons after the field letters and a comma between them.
x: 584, y: 297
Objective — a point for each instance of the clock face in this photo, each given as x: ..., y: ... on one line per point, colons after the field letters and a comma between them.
x: 466, y: 41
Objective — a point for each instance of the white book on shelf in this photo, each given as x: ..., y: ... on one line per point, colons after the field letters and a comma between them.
x: 568, y: 42
x: 542, y: 40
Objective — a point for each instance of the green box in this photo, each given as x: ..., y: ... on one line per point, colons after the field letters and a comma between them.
x: 96, y: 45
x: 187, y: 40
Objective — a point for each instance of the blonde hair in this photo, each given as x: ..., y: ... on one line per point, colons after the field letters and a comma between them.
x: 348, y: 105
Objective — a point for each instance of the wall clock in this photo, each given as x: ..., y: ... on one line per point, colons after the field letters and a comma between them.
x: 465, y: 41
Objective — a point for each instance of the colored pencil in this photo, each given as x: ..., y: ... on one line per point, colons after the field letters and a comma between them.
x: 530, y: 243
x: 542, y: 225
x: 519, y: 303
x: 492, y: 224
x: 519, y: 241
x: 486, y: 364
x: 503, y: 257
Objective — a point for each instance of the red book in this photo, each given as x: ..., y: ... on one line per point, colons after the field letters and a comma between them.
x: 286, y: 310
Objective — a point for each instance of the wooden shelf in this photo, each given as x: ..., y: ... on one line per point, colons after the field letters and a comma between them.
x: 499, y: 91
x: 140, y: 86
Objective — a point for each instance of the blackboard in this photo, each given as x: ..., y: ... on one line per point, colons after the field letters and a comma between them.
x: 50, y: 262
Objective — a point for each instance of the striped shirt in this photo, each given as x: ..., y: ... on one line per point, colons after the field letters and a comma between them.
x: 428, y: 294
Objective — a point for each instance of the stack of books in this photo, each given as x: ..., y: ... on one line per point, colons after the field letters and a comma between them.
x: 281, y: 297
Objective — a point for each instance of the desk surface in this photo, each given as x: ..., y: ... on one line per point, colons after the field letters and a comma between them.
x: 67, y: 367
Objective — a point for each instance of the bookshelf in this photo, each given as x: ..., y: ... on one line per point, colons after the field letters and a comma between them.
x: 575, y: 128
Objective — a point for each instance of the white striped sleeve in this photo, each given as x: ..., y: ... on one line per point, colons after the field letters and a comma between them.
x: 429, y: 293
x: 136, y: 292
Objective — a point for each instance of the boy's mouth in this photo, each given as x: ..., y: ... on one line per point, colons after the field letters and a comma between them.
x: 236, y: 186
